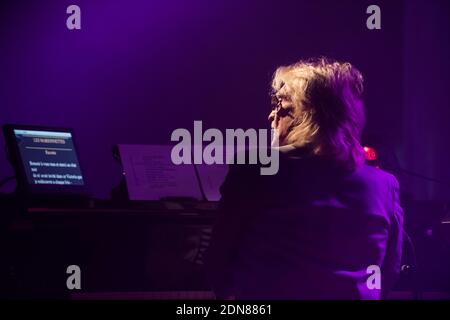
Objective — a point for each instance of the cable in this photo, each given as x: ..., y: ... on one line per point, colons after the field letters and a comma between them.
x: 415, y: 174
x: 418, y: 175
x: 412, y: 266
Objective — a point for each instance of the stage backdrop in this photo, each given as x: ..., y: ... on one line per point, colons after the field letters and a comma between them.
x: 139, y: 69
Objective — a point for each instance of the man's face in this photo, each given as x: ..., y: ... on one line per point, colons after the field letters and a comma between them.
x: 282, y: 116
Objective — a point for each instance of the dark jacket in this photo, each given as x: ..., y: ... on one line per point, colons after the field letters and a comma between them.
x: 309, y: 232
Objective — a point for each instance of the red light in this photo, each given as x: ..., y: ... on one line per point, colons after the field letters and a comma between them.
x: 370, y: 153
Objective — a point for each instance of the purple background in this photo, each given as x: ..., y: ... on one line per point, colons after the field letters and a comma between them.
x: 139, y: 69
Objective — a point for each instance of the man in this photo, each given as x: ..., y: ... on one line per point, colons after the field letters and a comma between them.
x: 319, y: 227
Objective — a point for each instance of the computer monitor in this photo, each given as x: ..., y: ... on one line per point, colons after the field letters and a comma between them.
x: 45, y: 160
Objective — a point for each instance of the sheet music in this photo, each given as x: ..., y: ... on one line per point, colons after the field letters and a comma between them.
x: 151, y: 175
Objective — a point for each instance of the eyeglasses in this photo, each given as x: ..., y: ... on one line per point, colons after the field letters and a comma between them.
x: 277, y: 104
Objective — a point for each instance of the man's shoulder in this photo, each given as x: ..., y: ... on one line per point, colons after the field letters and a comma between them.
x: 376, y: 173
x: 371, y: 178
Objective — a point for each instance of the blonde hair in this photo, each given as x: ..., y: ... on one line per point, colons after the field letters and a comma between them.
x: 328, y: 111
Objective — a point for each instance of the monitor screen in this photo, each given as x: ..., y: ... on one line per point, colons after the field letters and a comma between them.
x: 48, y: 157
